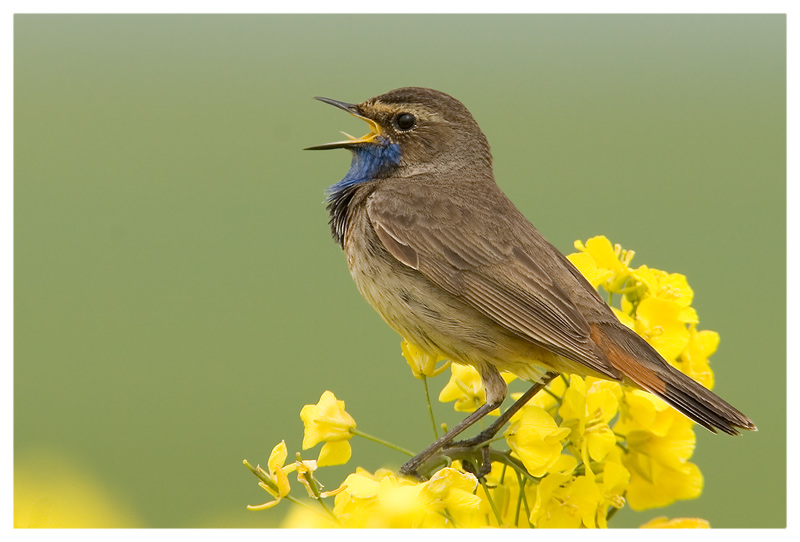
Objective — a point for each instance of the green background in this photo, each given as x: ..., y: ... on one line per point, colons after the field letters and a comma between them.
x: 178, y: 296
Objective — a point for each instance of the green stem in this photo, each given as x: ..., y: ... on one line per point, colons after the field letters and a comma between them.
x: 315, y: 490
x: 553, y: 395
x: 430, y: 408
x: 522, y: 482
x: 290, y: 498
x: 446, y: 513
x: 491, y: 503
x: 355, y: 431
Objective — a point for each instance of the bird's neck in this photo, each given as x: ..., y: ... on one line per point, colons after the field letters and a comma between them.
x: 370, y: 162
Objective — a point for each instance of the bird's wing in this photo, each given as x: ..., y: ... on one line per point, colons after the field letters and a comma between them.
x: 495, y: 273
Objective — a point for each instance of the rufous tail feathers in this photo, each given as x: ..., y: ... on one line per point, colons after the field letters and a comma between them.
x: 632, y: 356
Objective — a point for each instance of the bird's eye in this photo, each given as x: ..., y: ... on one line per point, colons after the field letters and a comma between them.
x: 405, y: 121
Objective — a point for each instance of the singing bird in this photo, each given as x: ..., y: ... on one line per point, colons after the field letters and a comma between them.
x: 454, y: 267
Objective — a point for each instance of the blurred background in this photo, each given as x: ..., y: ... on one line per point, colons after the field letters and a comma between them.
x: 178, y: 297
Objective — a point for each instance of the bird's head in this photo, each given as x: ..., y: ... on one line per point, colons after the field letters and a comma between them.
x: 416, y: 130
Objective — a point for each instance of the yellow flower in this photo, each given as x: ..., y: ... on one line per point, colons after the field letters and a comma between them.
x: 659, y: 321
x: 676, y: 523
x: 653, y: 484
x: 663, y: 285
x: 587, y: 413
x: 535, y: 438
x: 357, y: 504
x: 566, y: 502
x: 384, y: 500
x: 399, y: 504
x: 305, y: 475
x: 588, y: 268
x: 276, y: 480
x: 669, y: 292
x: 607, y: 259
x: 615, y: 480
x: 465, y: 387
x: 422, y: 364
x: 641, y: 410
x: 660, y: 441
x: 328, y: 422
x: 451, y: 491
x: 694, y: 359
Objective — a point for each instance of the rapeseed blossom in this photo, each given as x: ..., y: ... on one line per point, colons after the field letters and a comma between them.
x: 575, y: 454
x: 328, y: 422
x: 275, y: 479
x: 465, y: 387
x: 423, y: 365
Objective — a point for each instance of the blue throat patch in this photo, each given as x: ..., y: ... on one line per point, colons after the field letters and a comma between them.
x: 369, y: 162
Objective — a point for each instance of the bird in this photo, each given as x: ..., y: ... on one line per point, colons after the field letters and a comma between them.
x: 451, y: 264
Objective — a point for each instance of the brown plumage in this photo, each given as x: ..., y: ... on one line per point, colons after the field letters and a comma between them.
x: 449, y: 262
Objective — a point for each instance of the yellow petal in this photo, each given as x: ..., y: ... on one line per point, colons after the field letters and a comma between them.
x: 277, y: 457
x: 334, y: 453
x: 465, y: 387
x: 536, y: 439
x: 574, y: 402
x: 663, y: 486
x: 603, y: 253
x: 658, y: 321
x: 600, y: 440
x: 588, y: 268
x: 585, y: 497
x: 265, y: 506
x: 626, y: 319
x: 282, y: 481
x: 565, y: 464
x: 359, y: 486
x: 688, y: 315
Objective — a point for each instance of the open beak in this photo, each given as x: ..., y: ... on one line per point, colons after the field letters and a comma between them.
x: 374, y: 128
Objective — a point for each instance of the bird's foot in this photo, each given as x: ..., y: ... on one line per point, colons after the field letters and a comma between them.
x: 485, y: 464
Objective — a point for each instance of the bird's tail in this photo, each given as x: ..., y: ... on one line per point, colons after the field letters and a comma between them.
x: 631, y: 355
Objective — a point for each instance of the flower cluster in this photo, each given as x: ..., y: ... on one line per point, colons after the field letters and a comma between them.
x: 575, y: 454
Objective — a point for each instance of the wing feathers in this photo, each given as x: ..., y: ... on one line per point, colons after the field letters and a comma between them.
x: 399, y: 250
x: 498, y: 277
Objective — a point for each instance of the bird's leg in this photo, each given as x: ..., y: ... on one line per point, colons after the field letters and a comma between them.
x: 411, y: 466
x: 492, y: 430
x: 486, y: 463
